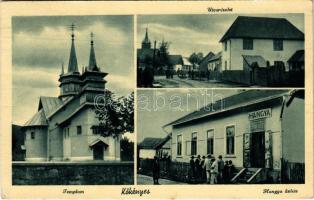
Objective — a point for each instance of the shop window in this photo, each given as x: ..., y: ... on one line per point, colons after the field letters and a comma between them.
x: 230, y: 132
x: 278, y: 45
x: 247, y: 44
x: 79, y: 130
x: 179, y: 145
x: 194, y: 144
x: 210, y: 142
x: 32, y: 135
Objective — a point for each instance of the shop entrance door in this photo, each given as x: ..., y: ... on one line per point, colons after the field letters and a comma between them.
x: 258, y: 150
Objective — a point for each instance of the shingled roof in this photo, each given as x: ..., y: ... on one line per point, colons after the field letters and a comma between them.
x: 262, y: 28
x: 176, y: 59
x: 39, y: 119
x: 49, y: 104
x: 153, y: 143
x: 246, y: 97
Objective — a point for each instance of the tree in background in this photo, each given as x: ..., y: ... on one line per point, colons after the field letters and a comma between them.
x: 116, y: 115
x: 195, y: 59
x: 127, y: 149
x: 162, y: 60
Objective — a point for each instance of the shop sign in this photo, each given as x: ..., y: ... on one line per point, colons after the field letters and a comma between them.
x: 265, y: 113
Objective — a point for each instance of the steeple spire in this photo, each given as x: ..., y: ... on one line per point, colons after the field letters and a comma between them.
x: 92, y: 66
x: 72, y: 67
x: 146, y: 42
x: 146, y: 39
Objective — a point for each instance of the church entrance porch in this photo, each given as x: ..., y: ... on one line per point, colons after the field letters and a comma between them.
x: 98, y: 152
x: 99, y: 146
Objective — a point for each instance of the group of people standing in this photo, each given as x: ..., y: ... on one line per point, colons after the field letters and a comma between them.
x: 211, y: 170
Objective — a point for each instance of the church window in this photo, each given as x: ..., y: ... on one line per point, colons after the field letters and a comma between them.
x: 32, y: 135
x: 79, y: 130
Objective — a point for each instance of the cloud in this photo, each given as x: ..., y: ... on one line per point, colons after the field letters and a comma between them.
x: 122, y: 84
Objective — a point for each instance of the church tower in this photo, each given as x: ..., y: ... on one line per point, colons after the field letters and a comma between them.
x: 146, y: 42
x: 70, y: 81
x: 93, y: 82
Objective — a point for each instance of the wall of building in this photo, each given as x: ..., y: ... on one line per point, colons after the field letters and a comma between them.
x: 80, y: 149
x: 225, y: 55
x: 78, y: 145
x: 73, y: 173
x: 262, y: 47
x: 147, y: 153
x: 55, y: 146
x: 36, y: 149
x: 242, y: 125
x: 293, y: 132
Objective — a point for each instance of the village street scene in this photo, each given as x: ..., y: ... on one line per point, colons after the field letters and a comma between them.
x: 233, y: 136
x: 215, y: 51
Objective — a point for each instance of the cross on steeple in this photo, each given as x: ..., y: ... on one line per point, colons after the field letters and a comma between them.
x: 72, y: 27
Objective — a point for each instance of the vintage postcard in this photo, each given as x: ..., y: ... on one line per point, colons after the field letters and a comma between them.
x: 156, y: 100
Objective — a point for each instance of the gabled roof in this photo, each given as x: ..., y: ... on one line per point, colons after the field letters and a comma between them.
x: 298, y: 56
x: 231, y: 102
x: 153, y: 143
x: 49, y: 104
x: 215, y: 57
x: 262, y: 28
x: 101, y: 140
x: 175, y: 59
x: 39, y: 119
x: 251, y: 60
x: 207, y: 58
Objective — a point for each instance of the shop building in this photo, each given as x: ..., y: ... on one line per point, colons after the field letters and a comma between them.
x: 260, y: 131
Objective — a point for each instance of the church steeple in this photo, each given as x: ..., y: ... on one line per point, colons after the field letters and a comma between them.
x: 70, y: 82
x: 146, y: 42
x: 92, y: 66
x: 72, y: 67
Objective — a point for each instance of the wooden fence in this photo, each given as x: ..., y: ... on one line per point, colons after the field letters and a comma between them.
x: 292, y: 172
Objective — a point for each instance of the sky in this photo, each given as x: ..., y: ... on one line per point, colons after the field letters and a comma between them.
x: 195, y: 33
x: 41, y: 44
x: 157, y: 108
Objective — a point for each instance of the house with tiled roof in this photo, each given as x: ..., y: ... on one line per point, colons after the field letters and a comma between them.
x: 64, y: 127
x: 205, y: 61
x: 255, y: 129
x: 255, y: 41
x: 151, y: 147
